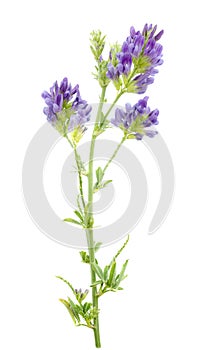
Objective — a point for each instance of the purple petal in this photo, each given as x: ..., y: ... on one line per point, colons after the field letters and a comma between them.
x: 45, y: 94
x: 159, y: 35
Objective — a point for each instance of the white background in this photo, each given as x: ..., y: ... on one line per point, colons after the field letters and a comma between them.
x: 42, y: 41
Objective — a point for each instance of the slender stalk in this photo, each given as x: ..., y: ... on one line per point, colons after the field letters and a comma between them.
x: 114, y: 154
x: 89, y: 230
x: 79, y: 171
x: 70, y: 142
x: 80, y: 177
x: 113, y: 104
x: 120, y: 93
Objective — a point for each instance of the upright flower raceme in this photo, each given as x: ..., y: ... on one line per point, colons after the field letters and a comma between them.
x: 136, y: 121
x: 66, y: 110
x: 136, y: 61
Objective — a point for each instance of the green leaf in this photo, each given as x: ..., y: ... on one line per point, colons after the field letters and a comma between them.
x: 122, y: 276
x: 68, y: 283
x: 74, y: 309
x: 67, y: 305
x: 85, y: 257
x: 121, y: 249
x: 112, y: 274
x: 73, y: 221
x: 96, y: 283
x: 105, y: 273
x: 79, y: 215
x: 97, y: 246
x: 93, y: 51
x: 86, y: 307
x: 98, y: 271
x: 99, y: 175
x: 105, y: 183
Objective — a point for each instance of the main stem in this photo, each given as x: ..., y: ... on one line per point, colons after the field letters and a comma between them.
x: 80, y: 177
x: 89, y: 231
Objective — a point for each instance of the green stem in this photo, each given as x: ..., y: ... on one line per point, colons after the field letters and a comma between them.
x: 89, y: 230
x: 70, y: 142
x: 113, y: 104
x: 114, y: 154
x: 80, y: 177
x: 120, y: 94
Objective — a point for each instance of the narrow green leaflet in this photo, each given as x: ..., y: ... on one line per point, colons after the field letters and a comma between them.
x: 67, y: 305
x: 105, y: 183
x: 68, y: 283
x: 74, y: 309
x: 122, y: 276
x: 122, y: 248
x: 97, y: 246
x: 112, y: 274
x: 99, y: 177
x: 86, y: 307
x: 96, y: 283
x: 98, y: 271
x: 77, y: 213
x: 73, y: 221
x: 99, y: 174
x: 105, y: 272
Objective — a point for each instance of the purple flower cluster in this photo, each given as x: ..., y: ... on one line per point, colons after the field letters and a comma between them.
x: 141, y: 50
x: 136, y: 120
x: 65, y: 110
x: 140, y: 83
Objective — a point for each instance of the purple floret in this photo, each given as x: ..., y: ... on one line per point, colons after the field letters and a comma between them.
x: 136, y: 121
x: 140, y: 51
x: 65, y: 107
